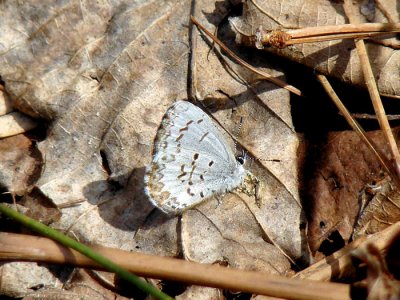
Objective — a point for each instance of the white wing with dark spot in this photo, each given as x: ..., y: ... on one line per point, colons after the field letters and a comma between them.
x: 191, y: 160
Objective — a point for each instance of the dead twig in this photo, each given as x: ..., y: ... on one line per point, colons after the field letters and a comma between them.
x: 39, y: 249
x: 281, y: 39
x: 373, y: 117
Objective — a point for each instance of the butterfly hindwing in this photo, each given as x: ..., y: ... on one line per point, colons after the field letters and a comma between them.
x: 191, y: 160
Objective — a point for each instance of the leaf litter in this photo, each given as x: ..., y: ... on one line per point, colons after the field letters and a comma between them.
x: 99, y: 91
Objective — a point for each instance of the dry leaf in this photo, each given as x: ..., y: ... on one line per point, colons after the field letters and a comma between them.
x: 103, y: 75
x: 334, y: 58
x: 201, y: 293
x: 19, y: 279
x: 380, y: 209
x: 20, y: 164
x: 96, y: 72
x: 40, y: 207
x: 346, y: 166
x: 266, y: 133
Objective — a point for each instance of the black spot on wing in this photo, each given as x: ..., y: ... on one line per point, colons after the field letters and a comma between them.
x: 190, y: 192
x: 183, y: 173
x: 186, y: 128
x: 203, y: 137
x: 192, y: 171
x: 179, y: 137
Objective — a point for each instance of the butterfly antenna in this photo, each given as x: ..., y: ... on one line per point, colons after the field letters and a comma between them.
x: 237, y: 133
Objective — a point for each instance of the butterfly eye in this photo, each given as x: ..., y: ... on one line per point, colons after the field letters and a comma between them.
x: 241, y: 160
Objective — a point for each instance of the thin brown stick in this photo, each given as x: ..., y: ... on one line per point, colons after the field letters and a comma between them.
x: 373, y: 117
x: 39, y: 249
x: 384, y: 11
x: 393, y: 97
x: 267, y: 76
x: 282, y: 39
x: 192, y: 74
x: 340, y: 263
x: 346, y: 30
x: 374, y: 94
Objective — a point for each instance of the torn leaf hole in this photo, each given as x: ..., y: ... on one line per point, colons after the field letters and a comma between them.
x: 333, y: 243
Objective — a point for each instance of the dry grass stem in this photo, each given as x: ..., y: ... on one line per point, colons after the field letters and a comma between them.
x: 384, y: 11
x: 394, y: 97
x: 192, y: 90
x: 374, y: 94
x: 281, y: 39
x: 346, y: 31
x: 38, y: 249
x: 373, y: 117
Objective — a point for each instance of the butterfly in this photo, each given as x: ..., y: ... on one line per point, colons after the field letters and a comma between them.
x: 191, y: 162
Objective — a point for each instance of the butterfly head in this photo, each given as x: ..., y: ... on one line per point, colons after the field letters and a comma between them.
x: 241, y: 159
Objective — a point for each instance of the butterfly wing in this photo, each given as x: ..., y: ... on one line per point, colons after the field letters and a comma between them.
x: 191, y: 160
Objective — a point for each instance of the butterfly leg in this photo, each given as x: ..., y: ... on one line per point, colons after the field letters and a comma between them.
x: 219, y: 200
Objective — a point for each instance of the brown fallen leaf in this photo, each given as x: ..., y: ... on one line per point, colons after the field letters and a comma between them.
x: 20, y: 164
x: 262, y: 112
x: 345, y: 167
x: 334, y: 58
x: 40, y: 207
x: 380, y: 207
x: 103, y: 75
